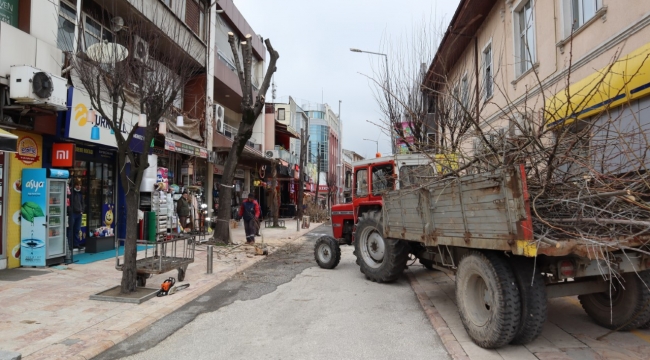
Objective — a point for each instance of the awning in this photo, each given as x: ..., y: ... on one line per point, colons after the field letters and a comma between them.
x: 283, y: 129
x: 626, y: 79
x: 8, y: 141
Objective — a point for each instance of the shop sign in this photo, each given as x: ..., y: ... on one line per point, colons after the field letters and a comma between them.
x: 323, y: 188
x: 239, y: 173
x: 27, y: 150
x: 63, y: 155
x: 187, y: 149
x: 81, y: 128
x: 218, y: 170
x: 104, y: 154
x: 84, y: 151
x: 160, y: 152
x: 9, y: 12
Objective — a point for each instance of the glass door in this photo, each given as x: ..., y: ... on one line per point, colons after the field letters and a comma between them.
x: 56, y: 218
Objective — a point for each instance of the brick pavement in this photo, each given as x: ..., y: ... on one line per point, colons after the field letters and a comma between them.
x: 50, y: 316
x: 569, y: 334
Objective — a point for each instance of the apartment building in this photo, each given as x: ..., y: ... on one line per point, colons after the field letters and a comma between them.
x: 521, y: 65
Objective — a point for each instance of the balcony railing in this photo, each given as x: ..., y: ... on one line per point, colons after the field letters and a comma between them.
x: 230, y: 131
x: 286, y: 155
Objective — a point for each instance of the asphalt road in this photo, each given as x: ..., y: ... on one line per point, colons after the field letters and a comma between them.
x: 285, y: 307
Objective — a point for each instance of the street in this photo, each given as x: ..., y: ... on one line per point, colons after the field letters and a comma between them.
x: 285, y: 307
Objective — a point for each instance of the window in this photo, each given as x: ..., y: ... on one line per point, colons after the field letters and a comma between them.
x: 382, y: 179
x: 582, y: 11
x: 94, y: 32
x: 167, y: 2
x: 362, y: 183
x: 525, y: 43
x: 67, y: 23
x: 202, y: 27
x: 487, y: 72
x: 316, y: 115
x: 280, y: 114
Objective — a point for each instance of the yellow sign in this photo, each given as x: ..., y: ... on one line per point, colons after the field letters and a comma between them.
x: 626, y: 79
x: 31, y: 155
x: 446, y: 162
x: 83, y: 220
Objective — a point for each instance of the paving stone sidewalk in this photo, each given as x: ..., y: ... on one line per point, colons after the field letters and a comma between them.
x: 46, y: 313
x: 569, y: 334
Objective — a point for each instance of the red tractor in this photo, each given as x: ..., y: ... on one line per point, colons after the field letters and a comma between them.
x: 372, y: 177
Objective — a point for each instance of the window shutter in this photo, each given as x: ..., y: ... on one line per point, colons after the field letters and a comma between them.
x: 192, y: 15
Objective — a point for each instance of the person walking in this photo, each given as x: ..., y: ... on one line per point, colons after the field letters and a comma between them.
x: 183, y: 210
x: 250, y: 211
x: 76, y: 213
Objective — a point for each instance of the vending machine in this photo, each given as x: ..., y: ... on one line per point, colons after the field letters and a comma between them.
x: 43, y: 217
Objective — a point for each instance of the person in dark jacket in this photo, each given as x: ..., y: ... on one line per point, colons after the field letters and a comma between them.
x: 250, y: 211
x: 183, y: 210
x: 76, y: 213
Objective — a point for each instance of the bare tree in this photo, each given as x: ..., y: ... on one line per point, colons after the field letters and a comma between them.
x: 251, y: 107
x: 115, y: 82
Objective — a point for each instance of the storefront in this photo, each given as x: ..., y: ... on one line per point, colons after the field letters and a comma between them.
x: 93, y: 161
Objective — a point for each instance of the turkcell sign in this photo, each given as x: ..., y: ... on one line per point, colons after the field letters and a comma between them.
x: 80, y: 127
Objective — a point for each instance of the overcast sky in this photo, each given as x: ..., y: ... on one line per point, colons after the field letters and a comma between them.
x: 316, y: 65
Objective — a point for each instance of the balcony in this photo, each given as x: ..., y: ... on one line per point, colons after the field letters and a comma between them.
x: 226, y: 139
x: 286, y: 155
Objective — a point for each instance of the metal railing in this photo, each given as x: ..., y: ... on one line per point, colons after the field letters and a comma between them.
x: 230, y: 131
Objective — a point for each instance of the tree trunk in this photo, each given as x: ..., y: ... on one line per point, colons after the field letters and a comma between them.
x: 225, y: 193
x: 275, y: 207
x: 129, y: 270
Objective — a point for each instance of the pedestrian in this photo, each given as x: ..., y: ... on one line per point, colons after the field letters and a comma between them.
x: 183, y: 210
x: 250, y: 211
x: 77, y: 209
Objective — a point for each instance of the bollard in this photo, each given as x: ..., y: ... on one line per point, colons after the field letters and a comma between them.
x: 210, y: 259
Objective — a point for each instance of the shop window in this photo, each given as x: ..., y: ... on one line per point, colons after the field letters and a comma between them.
x: 362, y: 183
x: 382, y: 179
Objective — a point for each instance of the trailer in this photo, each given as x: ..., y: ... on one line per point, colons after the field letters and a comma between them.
x: 479, y: 227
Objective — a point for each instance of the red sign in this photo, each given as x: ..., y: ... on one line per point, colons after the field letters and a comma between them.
x: 322, y: 188
x: 63, y: 155
x: 27, y: 151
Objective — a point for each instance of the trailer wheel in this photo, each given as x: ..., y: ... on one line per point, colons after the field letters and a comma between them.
x: 488, y: 299
x: 627, y: 308
x: 327, y: 252
x: 141, y: 280
x: 181, y: 273
x: 532, y: 294
x: 381, y: 260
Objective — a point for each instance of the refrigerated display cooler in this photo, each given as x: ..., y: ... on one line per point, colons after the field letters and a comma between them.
x: 43, y: 217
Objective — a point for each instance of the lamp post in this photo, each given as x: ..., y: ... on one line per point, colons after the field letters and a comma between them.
x: 376, y: 142
x: 387, y: 89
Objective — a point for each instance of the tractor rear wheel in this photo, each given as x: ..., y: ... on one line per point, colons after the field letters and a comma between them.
x: 380, y: 259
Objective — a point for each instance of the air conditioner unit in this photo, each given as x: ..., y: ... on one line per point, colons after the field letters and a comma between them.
x: 272, y: 154
x: 140, y: 49
x: 219, y: 119
x: 31, y: 86
x: 212, y: 156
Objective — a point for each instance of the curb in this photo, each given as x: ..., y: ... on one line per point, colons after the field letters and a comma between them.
x: 449, y: 341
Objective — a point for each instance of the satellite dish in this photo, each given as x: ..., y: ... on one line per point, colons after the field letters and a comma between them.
x: 107, y: 53
x: 117, y: 24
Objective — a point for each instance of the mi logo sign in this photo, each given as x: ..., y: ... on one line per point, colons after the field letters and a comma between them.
x: 63, y: 155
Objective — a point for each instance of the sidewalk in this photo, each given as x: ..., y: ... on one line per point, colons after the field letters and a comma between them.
x: 569, y: 334
x: 46, y: 313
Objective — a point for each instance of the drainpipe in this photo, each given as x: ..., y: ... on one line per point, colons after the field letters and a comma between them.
x: 209, y: 88
x: 75, y: 45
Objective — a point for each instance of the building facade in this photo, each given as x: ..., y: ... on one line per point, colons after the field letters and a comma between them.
x: 511, y: 67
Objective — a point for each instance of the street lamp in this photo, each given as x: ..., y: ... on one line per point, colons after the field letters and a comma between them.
x: 387, y: 85
x: 376, y: 142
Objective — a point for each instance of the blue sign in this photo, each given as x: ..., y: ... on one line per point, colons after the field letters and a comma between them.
x: 32, y: 218
x: 58, y: 174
